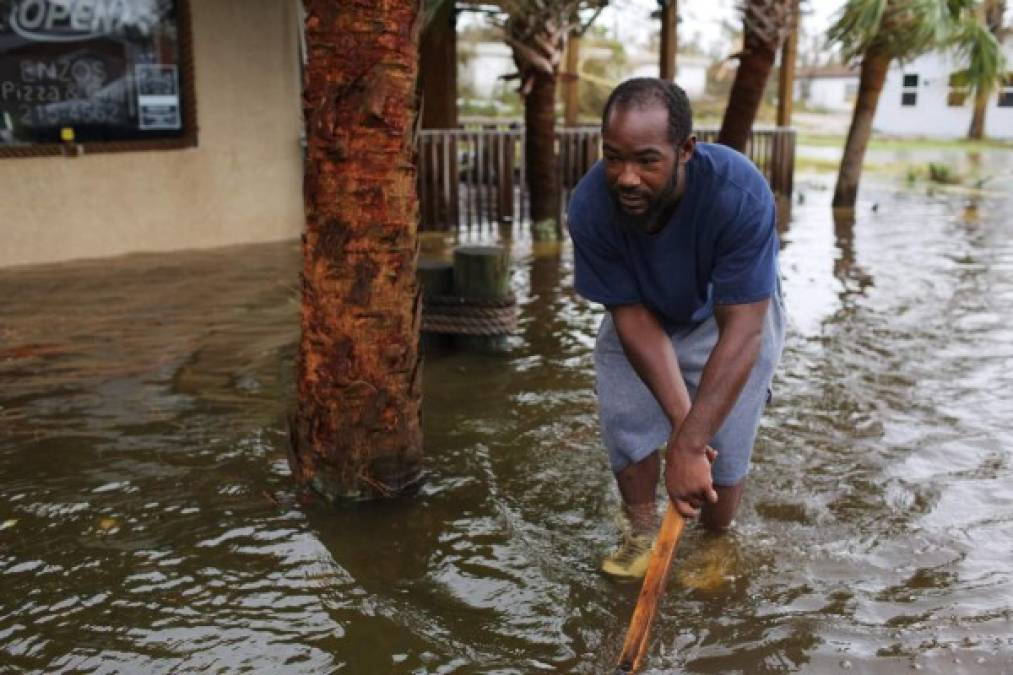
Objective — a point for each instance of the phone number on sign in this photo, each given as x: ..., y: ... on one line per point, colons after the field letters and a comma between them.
x: 77, y: 112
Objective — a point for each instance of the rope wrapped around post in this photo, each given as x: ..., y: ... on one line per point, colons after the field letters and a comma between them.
x: 459, y: 315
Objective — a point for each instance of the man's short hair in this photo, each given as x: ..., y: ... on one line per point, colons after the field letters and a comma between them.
x: 644, y: 92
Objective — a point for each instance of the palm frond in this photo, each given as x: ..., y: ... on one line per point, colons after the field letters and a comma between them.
x: 856, y: 26
x: 980, y: 53
x: 900, y: 29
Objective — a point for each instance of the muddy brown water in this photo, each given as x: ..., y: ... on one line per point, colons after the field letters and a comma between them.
x: 149, y: 523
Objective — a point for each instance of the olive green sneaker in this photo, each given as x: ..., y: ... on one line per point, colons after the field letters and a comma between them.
x: 629, y: 560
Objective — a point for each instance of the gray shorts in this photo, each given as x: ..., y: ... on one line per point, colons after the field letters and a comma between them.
x: 633, y: 424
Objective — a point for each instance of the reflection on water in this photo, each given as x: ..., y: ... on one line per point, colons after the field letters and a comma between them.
x: 148, y: 522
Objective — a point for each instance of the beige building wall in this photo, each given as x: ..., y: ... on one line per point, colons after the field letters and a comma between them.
x: 242, y: 183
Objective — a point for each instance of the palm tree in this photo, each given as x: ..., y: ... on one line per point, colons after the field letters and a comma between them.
x: 765, y: 24
x: 977, y: 41
x: 356, y: 432
x: 877, y: 32
x: 536, y: 31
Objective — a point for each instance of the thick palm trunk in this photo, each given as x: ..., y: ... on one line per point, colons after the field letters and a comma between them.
x: 763, y: 23
x: 977, y: 129
x: 747, y: 92
x: 744, y: 101
x: 870, y: 85
x: 542, y: 163
x: 355, y: 432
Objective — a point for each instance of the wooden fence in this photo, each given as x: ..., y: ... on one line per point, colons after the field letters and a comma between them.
x: 475, y: 176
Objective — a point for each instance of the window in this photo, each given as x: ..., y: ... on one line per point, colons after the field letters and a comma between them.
x: 909, y: 91
x: 959, y: 89
x: 103, y: 74
x: 850, y: 92
x: 1006, y: 92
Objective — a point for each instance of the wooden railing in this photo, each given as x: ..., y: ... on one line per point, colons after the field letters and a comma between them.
x: 475, y: 176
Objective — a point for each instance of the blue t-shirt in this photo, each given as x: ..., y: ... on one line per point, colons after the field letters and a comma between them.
x: 719, y: 247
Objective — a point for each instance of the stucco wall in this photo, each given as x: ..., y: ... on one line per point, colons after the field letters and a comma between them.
x: 243, y: 183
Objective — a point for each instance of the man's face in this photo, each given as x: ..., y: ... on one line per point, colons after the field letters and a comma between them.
x: 641, y: 165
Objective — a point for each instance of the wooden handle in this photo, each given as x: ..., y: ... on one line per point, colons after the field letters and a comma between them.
x: 639, y: 631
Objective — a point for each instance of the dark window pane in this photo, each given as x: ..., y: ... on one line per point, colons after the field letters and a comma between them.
x: 910, y: 80
x: 1006, y: 98
x: 908, y: 98
x: 109, y: 76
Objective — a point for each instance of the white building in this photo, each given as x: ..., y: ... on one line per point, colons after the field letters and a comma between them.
x: 690, y: 71
x: 831, y: 87
x: 924, y: 98
x: 487, y: 63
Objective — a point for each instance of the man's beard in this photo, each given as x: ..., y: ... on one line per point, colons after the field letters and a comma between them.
x: 658, y: 209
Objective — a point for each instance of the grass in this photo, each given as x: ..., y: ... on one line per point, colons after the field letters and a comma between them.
x: 887, y: 143
x: 816, y: 164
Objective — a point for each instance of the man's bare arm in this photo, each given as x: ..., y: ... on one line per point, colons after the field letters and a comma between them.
x: 652, y: 356
x: 740, y: 330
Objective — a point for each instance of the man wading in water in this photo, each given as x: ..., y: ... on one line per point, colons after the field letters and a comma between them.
x: 677, y: 239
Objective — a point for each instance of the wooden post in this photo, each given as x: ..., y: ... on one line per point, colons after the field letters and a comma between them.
x: 669, y: 39
x: 482, y: 273
x: 786, y: 76
x: 571, y: 81
x: 436, y: 277
x: 506, y: 176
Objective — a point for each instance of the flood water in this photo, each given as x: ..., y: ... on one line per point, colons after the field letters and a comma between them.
x: 149, y: 523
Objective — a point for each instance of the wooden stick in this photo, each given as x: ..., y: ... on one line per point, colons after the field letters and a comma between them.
x: 639, y: 631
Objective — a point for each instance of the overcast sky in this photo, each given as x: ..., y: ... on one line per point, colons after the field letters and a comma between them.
x: 629, y: 21
x: 701, y: 17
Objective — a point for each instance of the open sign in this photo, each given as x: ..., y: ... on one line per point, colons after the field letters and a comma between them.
x: 77, y: 20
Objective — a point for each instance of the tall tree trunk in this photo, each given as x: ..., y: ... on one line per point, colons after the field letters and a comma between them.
x: 438, y: 69
x: 786, y: 74
x: 355, y: 432
x: 747, y: 92
x: 991, y: 13
x: 542, y: 163
x: 669, y: 39
x: 870, y: 85
x: 977, y: 129
x: 764, y: 25
x: 571, y: 85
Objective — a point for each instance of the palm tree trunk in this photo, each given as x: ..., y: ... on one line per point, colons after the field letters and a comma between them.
x: 542, y: 163
x: 355, y: 432
x: 977, y: 129
x: 755, y: 65
x: 870, y: 85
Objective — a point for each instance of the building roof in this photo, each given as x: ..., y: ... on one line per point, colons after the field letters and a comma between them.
x: 827, y: 71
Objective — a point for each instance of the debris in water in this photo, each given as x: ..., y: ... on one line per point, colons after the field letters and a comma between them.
x: 108, y: 525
